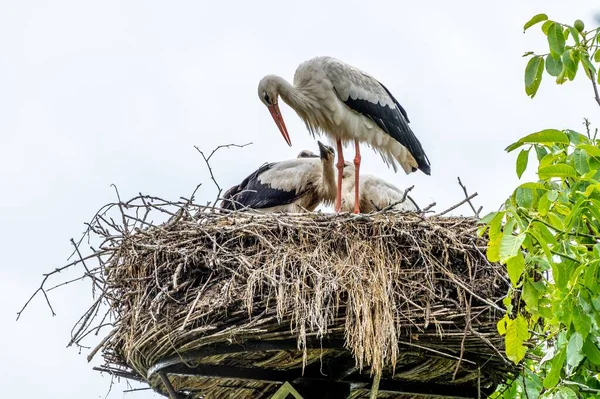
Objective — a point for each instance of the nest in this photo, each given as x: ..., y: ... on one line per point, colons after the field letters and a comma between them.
x: 208, y: 296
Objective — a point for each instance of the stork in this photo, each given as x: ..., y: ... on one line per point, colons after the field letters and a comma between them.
x: 347, y: 105
x: 375, y: 193
x: 295, y: 185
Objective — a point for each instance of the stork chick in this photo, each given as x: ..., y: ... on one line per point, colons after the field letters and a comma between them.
x: 375, y: 193
x: 295, y: 185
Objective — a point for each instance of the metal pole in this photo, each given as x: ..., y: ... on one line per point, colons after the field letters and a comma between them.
x: 168, y: 386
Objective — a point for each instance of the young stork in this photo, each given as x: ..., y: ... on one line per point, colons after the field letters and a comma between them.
x: 347, y: 105
x: 295, y: 185
x: 375, y: 193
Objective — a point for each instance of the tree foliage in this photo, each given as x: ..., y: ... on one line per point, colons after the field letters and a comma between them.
x: 548, y: 236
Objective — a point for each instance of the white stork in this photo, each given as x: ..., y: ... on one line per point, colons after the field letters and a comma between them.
x: 375, y: 193
x: 347, y: 105
x: 295, y: 185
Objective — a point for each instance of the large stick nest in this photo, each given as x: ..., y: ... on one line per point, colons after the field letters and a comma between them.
x: 409, y: 296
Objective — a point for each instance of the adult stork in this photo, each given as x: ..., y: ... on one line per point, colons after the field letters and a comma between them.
x: 347, y: 105
x: 295, y: 185
x: 375, y: 193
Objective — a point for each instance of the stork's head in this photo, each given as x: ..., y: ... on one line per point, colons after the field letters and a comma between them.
x: 348, y: 172
x: 326, y: 153
x: 268, y: 92
x: 307, y: 154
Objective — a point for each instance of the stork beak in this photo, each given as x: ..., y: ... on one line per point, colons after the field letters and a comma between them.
x: 276, y: 114
x: 322, y: 149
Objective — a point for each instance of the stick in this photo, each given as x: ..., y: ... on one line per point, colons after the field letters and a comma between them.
x: 467, y: 195
x: 453, y: 207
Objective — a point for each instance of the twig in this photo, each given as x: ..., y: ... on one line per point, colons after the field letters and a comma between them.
x: 195, y: 303
x: 428, y: 207
x: 207, y: 161
x: 596, y: 95
x: 40, y: 289
x: 453, y: 207
x: 404, y: 196
x: 100, y: 345
x: 136, y: 390
x: 467, y: 195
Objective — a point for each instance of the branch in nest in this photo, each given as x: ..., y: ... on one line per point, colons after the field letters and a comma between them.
x: 467, y: 199
x: 210, y: 170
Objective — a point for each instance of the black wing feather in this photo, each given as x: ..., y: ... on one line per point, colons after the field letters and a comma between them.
x: 393, y: 121
x: 251, y: 193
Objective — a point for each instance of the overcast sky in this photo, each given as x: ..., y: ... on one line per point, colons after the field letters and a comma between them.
x: 96, y: 93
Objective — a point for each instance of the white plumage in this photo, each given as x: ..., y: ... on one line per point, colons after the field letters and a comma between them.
x: 347, y: 105
x: 294, y: 185
x: 375, y: 193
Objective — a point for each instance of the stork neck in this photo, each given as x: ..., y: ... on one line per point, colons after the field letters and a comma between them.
x: 291, y: 95
x: 329, y: 181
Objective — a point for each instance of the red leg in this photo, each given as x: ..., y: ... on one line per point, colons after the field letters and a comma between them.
x: 356, y: 178
x: 340, y: 167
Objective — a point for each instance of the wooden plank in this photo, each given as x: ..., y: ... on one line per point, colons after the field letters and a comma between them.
x: 285, y: 390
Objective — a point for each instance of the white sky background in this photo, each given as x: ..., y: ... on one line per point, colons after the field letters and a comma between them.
x: 119, y: 92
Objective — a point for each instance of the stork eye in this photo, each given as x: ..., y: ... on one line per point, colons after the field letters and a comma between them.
x: 267, y: 99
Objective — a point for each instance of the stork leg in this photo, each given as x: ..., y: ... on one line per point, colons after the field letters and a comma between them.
x: 340, y: 168
x: 356, y: 177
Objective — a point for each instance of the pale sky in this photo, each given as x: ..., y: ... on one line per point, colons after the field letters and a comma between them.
x: 96, y: 93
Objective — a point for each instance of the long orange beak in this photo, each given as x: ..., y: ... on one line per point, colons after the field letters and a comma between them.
x: 276, y: 114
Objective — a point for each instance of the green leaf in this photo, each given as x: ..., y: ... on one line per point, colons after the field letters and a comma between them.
x: 544, y: 205
x: 556, y: 39
x: 549, y: 237
x: 576, y: 138
x: 552, y: 195
x: 581, y: 321
x: 546, y: 26
x: 533, y: 385
x: 524, y: 197
x: 597, y: 56
x: 534, y: 20
x: 516, y: 334
x: 522, y: 160
x: 592, y: 150
x: 556, y: 366
x: 564, y: 392
x: 555, y: 221
x: 553, y: 66
x: 529, y: 295
x: 501, y: 325
x: 591, y: 351
x: 589, y: 278
x: 580, y: 160
x: 495, y: 236
x: 562, y: 171
x: 540, y: 152
x: 570, y: 61
x: 533, y: 75
x: 515, y: 267
x: 574, y: 33
x: 546, y: 136
x: 574, y: 350
x: 585, y: 60
x: 510, y: 246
